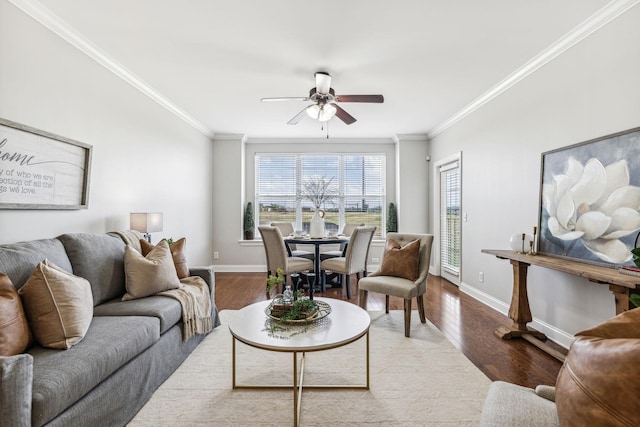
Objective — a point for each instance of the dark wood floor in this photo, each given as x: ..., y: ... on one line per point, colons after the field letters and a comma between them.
x: 467, y: 323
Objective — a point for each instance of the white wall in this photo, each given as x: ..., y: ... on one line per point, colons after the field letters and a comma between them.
x: 412, y: 183
x: 592, y: 90
x: 144, y: 158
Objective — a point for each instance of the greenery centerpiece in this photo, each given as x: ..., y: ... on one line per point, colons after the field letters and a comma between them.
x: 298, y: 309
x: 635, y: 252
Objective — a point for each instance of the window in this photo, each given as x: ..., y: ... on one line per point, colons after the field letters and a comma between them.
x: 358, y: 180
x: 450, y: 218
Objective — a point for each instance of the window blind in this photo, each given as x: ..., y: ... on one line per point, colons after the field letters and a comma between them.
x: 358, y: 181
x: 450, y: 218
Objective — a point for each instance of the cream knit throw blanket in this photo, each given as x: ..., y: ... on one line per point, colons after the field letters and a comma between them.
x: 195, y: 300
x: 130, y: 237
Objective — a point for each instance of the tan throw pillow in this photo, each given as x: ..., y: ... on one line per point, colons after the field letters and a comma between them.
x: 15, y: 335
x: 177, y: 253
x: 149, y: 275
x: 401, y: 261
x: 58, y: 304
x: 597, y: 384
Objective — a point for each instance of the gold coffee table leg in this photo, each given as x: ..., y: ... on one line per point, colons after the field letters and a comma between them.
x: 298, y: 382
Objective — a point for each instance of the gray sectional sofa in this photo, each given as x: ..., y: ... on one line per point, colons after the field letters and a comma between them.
x: 130, y: 348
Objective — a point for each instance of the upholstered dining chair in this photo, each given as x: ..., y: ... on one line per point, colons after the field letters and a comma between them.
x: 347, y: 231
x: 286, y: 228
x: 354, y: 260
x: 402, y: 273
x: 277, y: 256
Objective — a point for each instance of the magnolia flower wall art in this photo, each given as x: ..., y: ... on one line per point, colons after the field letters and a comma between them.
x: 590, y: 200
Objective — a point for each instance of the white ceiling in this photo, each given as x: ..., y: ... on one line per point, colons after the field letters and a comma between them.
x: 213, y: 60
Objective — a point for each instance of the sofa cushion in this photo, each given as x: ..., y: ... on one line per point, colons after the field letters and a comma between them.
x: 597, y: 383
x: 60, y: 378
x: 99, y: 259
x: 16, y: 376
x: 15, y: 335
x: 149, y: 275
x: 17, y: 260
x: 166, y: 309
x: 402, y: 261
x: 58, y: 304
x: 178, y: 254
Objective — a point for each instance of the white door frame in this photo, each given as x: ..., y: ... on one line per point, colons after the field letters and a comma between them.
x: 457, y: 157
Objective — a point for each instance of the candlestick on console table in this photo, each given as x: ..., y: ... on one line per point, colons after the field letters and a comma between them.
x: 534, y: 245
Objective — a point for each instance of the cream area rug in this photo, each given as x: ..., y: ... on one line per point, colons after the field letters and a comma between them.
x: 419, y: 381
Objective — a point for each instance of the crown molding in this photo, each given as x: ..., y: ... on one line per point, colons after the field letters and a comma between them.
x: 410, y: 137
x: 592, y: 24
x: 51, y: 21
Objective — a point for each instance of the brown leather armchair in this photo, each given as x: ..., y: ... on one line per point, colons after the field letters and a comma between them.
x: 597, y: 384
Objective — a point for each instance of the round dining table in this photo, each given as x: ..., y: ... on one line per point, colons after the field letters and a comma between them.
x: 316, y: 242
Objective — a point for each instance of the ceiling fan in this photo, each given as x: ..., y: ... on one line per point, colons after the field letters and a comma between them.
x: 324, y: 100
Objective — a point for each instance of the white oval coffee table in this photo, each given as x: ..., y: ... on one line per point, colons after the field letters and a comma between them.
x: 345, y: 324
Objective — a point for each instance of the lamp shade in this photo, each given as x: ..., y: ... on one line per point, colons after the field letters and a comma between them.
x: 147, y: 222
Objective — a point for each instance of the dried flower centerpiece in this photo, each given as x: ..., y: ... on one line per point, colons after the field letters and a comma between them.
x: 318, y: 190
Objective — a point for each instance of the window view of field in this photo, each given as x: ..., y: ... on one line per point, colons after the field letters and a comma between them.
x: 331, y: 218
x: 349, y: 188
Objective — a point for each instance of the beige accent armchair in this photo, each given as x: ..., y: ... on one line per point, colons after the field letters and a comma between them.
x: 354, y: 260
x: 398, y: 286
x: 276, y: 253
x: 286, y: 228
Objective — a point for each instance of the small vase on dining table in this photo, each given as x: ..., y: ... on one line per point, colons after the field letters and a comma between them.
x: 316, y: 229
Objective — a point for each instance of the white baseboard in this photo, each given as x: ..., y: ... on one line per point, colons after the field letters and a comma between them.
x: 554, y: 334
x: 240, y: 268
x: 260, y: 268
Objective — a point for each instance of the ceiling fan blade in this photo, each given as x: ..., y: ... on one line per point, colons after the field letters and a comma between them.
x: 343, y: 115
x: 323, y: 82
x: 378, y: 99
x: 296, y: 119
x: 285, y: 99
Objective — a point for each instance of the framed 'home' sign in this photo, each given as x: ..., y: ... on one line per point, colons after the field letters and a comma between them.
x: 40, y: 170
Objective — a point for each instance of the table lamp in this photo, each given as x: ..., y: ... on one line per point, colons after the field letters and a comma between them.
x: 146, y: 223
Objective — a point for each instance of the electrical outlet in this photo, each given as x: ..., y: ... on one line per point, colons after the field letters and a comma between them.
x: 375, y: 259
x: 481, y: 277
x: 216, y: 255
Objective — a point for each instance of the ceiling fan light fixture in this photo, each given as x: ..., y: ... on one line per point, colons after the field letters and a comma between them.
x: 321, y: 112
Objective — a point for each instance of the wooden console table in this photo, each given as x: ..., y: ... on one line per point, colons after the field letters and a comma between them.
x: 622, y: 285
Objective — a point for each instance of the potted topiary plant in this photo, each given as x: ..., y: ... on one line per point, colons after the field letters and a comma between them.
x: 392, y: 218
x: 249, y: 224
